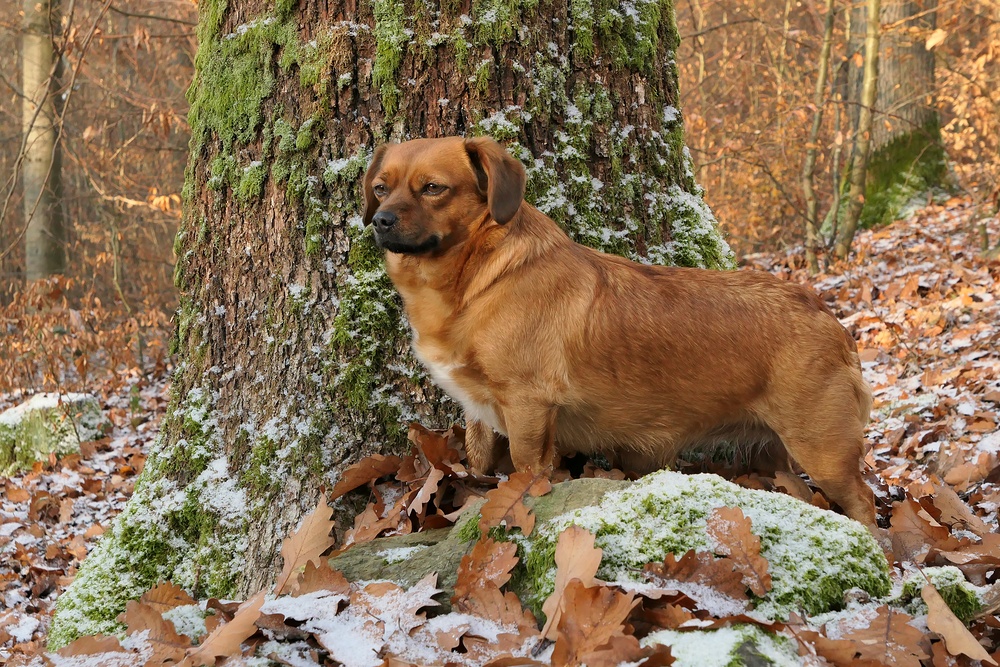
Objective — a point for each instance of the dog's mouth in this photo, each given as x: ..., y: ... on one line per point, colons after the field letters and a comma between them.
x: 406, y: 248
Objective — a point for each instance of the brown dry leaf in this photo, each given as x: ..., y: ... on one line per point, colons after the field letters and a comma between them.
x: 93, y: 645
x: 488, y: 562
x: 368, y: 525
x: 942, y: 620
x: 426, y: 492
x: 503, y: 608
x: 166, y: 596
x: 576, y: 558
x: 321, y: 578
x: 912, y: 530
x: 793, y: 485
x: 889, y: 640
x: 168, y: 646
x: 306, y: 544
x: 227, y: 639
x: 436, y: 447
x: 953, y: 510
x: 700, y: 567
x: 364, y: 471
x: 505, y: 504
x: 731, y: 531
x: 590, y: 617
x: 625, y: 649
x: 669, y: 616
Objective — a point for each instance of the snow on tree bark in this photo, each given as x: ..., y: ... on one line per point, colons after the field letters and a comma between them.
x: 293, y: 355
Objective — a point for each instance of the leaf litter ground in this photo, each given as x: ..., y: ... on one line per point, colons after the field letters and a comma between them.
x: 924, y: 308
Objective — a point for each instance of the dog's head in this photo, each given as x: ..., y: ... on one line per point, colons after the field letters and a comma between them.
x: 424, y: 195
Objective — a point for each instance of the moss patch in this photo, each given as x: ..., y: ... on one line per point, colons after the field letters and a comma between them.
x: 900, y: 172
x: 732, y: 646
x: 188, y: 527
x: 962, y: 597
x: 814, y: 555
x: 47, y: 424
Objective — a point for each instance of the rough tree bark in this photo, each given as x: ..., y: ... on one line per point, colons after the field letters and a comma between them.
x: 45, y: 235
x: 907, y: 157
x: 293, y: 360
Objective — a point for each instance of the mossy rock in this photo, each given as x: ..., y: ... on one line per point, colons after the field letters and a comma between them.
x: 47, y: 424
x: 732, y: 646
x: 406, y: 559
x: 814, y: 555
x: 964, y: 599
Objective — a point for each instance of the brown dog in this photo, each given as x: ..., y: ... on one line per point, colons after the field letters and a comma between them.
x: 564, y: 349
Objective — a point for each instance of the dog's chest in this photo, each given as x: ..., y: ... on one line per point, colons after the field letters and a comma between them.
x: 450, y: 375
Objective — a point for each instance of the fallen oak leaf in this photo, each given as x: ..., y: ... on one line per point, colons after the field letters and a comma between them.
x: 953, y: 510
x: 590, y: 618
x: 505, y: 504
x: 731, y: 531
x: 942, y: 620
x: 166, y: 596
x: 697, y: 569
x: 888, y: 639
x: 167, y: 644
x: 321, y: 578
x: 912, y: 530
x: 436, y: 447
x: 306, y: 544
x: 368, y: 525
x: 489, y: 562
x: 576, y: 558
x: 365, y: 471
x: 227, y: 639
x: 426, y: 492
x: 625, y: 649
x: 91, y: 645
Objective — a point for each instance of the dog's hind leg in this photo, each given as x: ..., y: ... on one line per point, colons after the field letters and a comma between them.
x: 831, y: 451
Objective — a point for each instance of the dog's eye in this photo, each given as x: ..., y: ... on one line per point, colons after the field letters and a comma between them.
x: 380, y: 190
x: 434, y: 189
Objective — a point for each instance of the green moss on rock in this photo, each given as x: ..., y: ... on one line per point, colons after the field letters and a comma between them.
x: 900, y: 173
x: 962, y: 597
x: 732, y: 646
x: 814, y: 555
x: 47, y: 424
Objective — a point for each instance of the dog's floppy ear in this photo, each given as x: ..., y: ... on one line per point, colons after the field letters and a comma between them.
x: 371, y: 203
x: 501, y: 177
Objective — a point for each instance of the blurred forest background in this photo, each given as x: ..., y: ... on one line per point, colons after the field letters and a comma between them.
x: 749, y: 69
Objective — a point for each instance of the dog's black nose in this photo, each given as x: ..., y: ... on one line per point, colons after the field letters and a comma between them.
x: 384, y: 220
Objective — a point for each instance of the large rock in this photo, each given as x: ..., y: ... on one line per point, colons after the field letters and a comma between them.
x: 406, y: 559
x: 814, y: 555
x: 45, y: 424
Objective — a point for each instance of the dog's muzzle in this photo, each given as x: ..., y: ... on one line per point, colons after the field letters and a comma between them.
x: 388, y: 236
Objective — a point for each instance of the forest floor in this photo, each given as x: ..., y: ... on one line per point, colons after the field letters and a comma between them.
x: 919, y: 297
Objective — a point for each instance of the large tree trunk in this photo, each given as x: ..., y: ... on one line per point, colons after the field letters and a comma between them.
x: 293, y: 354
x: 907, y: 157
x: 45, y: 235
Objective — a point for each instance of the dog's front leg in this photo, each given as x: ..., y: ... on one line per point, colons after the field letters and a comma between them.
x: 531, y: 429
x: 482, y: 447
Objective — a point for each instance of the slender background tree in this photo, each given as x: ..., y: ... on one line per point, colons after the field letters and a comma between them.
x: 45, y: 235
x: 862, y: 141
